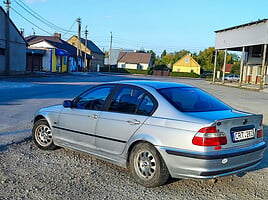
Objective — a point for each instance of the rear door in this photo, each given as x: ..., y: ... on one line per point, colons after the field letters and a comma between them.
x: 128, y: 110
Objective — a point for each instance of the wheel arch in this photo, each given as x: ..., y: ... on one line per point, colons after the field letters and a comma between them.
x: 143, y: 138
x: 42, y: 116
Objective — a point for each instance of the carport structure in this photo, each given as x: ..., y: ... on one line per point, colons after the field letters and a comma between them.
x: 251, y: 39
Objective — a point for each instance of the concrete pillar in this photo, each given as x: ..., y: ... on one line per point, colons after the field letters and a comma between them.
x: 215, y: 66
x: 224, y: 65
x: 263, y: 66
x: 242, y: 66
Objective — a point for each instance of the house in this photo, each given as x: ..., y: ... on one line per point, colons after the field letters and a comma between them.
x: 228, y: 68
x: 134, y: 60
x: 12, y: 54
x: 250, y: 40
x: 95, y: 56
x: 186, y: 64
x: 113, y: 56
x: 51, y: 54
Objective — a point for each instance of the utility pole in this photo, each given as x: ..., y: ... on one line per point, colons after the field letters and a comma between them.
x: 79, y: 42
x: 7, y: 34
x: 85, y: 59
x: 110, y: 51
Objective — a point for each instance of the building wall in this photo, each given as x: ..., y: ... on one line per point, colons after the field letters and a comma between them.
x: 17, y: 49
x: 186, y: 64
x: 242, y: 36
x: 46, y: 61
x: 98, y: 59
x: 186, y: 69
x: 143, y: 66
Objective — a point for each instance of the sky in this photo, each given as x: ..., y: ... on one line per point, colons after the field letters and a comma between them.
x: 170, y: 25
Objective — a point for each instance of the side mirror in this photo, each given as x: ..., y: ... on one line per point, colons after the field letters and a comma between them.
x: 67, y: 104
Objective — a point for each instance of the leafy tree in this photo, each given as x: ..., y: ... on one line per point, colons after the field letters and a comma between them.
x: 235, y: 68
x: 153, y: 55
x: 164, y: 53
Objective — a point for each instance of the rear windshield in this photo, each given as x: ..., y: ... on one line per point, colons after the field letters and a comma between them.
x: 187, y: 99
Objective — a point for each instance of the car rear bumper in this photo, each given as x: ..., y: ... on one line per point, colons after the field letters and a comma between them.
x: 207, y: 165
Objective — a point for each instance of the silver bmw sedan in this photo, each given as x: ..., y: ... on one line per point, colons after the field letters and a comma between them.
x: 156, y: 129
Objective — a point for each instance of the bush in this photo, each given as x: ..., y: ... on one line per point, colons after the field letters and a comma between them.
x: 122, y: 70
x: 184, y: 74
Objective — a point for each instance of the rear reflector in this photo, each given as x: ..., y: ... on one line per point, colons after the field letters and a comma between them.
x: 209, y: 136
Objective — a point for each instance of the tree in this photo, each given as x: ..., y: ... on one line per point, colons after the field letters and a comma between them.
x: 164, y: 53
x: 153, y: 56
x: 235, y: 68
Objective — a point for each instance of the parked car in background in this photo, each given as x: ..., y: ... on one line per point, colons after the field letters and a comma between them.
x: 232, y: 77
x: 206, y: 74
x: 157, y: 129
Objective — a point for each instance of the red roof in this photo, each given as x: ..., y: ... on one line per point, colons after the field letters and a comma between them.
x: 228, y: 67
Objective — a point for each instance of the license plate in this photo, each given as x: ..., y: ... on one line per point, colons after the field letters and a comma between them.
x: 239, y: 136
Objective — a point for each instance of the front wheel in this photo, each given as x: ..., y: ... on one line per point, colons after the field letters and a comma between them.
x: 147, y: 166
x: 42, y: 135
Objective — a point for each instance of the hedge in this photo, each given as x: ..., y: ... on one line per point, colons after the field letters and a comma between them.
x: 122, y: 70
x: 184, y: 74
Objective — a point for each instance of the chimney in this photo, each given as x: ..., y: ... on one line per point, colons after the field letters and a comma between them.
x: 58, y: 35
x: 22, y: 32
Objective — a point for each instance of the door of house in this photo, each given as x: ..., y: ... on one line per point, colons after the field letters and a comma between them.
x: 34, y: 62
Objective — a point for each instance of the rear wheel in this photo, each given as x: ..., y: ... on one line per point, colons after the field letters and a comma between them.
x: 42, y: 135
x: 147, y: 166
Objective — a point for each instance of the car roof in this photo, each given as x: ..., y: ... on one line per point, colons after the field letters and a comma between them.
x: 153, y: 84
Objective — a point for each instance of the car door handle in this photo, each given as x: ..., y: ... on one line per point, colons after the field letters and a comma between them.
x: 93, y: 116
x: 134, y: 122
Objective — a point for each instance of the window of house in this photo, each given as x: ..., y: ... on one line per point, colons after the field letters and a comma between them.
x: 139, y: 67
x: 123, y: 66
x: 187, y: 60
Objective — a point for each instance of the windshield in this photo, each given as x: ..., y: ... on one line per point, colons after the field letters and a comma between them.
x: 188, y: 99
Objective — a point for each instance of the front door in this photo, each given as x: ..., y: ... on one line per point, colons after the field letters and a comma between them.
x: 77, y: 124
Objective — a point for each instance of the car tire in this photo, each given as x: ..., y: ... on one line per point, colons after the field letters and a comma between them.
x: 42, y: 135
x: 147, y: 166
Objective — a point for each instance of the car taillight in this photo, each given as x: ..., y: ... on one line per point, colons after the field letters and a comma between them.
x: 209, y: 136
x: 259, y: 133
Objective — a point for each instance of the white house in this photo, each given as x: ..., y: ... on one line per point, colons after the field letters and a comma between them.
x: 134, y: 60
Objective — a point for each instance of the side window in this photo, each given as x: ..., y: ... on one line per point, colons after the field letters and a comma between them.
x: 94, y: 99
x: 126, y: 100
x: 146, y: 107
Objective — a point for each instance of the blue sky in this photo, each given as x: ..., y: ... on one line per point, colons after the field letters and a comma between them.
x: 150, y: 24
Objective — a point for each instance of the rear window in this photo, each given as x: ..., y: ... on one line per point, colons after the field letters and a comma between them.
x: 187, y: 99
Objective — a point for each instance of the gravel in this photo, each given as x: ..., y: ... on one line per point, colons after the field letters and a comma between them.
x: 27, y: 172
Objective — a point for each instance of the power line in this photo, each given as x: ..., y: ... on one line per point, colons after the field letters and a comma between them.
x: 42, y: 19
x: 30, y: 22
